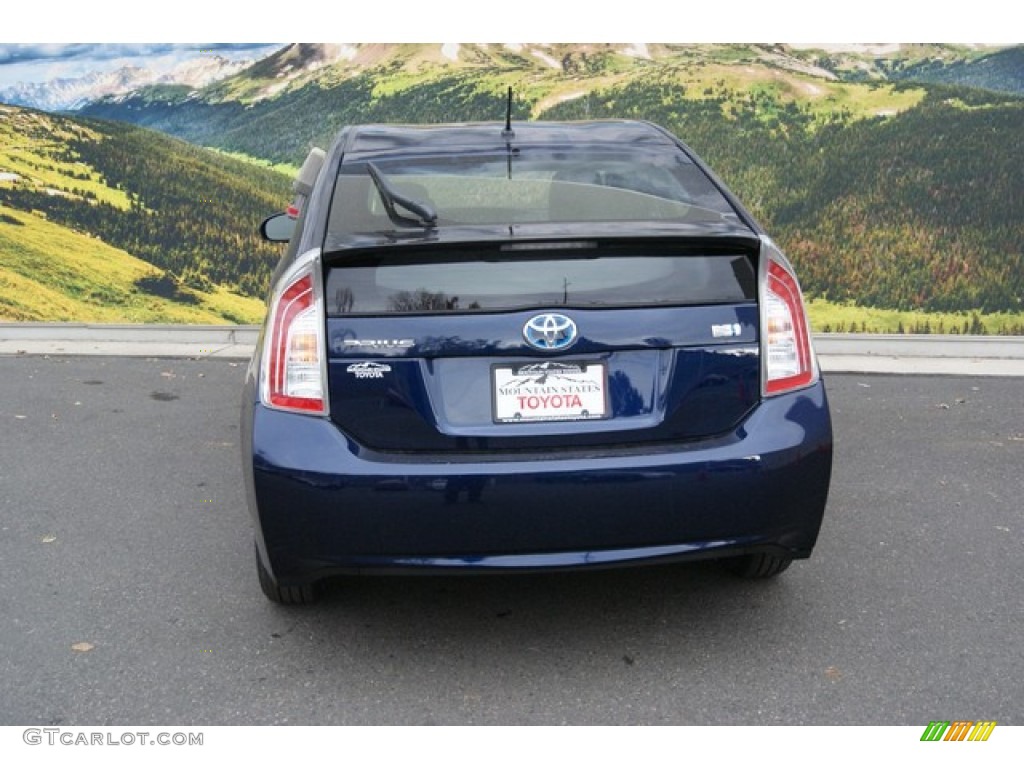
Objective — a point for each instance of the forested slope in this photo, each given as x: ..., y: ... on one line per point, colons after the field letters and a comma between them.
x: 897, y: 196
x: 186, y: 210
x: 919, y: 210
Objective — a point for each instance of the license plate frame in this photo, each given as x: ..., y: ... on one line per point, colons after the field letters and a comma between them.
x: 534, y: 392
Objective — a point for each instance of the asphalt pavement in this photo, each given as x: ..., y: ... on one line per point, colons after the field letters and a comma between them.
x: 130, y: 597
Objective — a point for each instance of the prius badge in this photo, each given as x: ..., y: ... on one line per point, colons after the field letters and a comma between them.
x: 550, y: 332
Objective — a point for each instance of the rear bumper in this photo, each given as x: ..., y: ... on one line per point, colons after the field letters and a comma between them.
x: 324, y: 505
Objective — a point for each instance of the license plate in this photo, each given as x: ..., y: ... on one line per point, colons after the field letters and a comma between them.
x: 549, y: 391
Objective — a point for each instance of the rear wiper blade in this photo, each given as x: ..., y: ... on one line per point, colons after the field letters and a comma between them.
x: 391, y: 196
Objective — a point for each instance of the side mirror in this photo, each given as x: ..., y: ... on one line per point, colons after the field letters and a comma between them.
x: 277, y: 228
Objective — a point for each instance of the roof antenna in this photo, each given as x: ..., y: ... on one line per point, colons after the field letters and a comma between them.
x: 508, y: 133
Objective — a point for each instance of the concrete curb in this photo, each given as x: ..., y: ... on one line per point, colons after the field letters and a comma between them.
x: 155, y: 333
x: 910, y: 354
x: 837, y: 352
x: 909, y: 345
x: 195, y: 341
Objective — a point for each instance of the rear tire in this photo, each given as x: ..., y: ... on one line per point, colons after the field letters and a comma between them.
x: 757, y: 566
x: 300, y: 595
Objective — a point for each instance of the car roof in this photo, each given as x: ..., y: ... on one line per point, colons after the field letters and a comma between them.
x: 364, y: 141
x: 357, y: 143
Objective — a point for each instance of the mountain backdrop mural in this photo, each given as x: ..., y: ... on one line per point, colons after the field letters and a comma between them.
x: 890, y: 174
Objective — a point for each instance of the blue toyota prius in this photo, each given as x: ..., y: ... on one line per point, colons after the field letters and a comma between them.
x: 496, y: 347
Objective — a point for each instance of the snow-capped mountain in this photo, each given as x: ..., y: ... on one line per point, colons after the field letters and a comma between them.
x: 204, y: 70
x: 75, y: 92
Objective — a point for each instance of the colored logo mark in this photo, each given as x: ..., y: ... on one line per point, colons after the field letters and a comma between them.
x: 958, y: 730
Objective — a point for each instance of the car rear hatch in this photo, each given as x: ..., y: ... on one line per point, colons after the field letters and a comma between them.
x: 553, y: 345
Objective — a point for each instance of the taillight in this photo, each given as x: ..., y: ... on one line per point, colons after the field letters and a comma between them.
x: 294, y: 351
x: 786, y: 347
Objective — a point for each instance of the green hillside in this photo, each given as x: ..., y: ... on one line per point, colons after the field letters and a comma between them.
x: 921, y: 210
x: 51, y: 273
x: 270, y: 112
x: 129, y: 193
x: 888, y: 193
x: 995, y: 71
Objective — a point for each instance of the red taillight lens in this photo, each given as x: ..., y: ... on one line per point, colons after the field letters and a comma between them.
x: 294, y: 354
x: 789, y: 362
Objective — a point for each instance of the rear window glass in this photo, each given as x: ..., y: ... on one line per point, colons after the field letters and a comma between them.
x: 485, y: 282
x: 535, y: 185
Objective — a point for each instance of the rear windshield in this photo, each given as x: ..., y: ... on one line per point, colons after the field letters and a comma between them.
x: 496, y: 280
x: 535, y: 185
